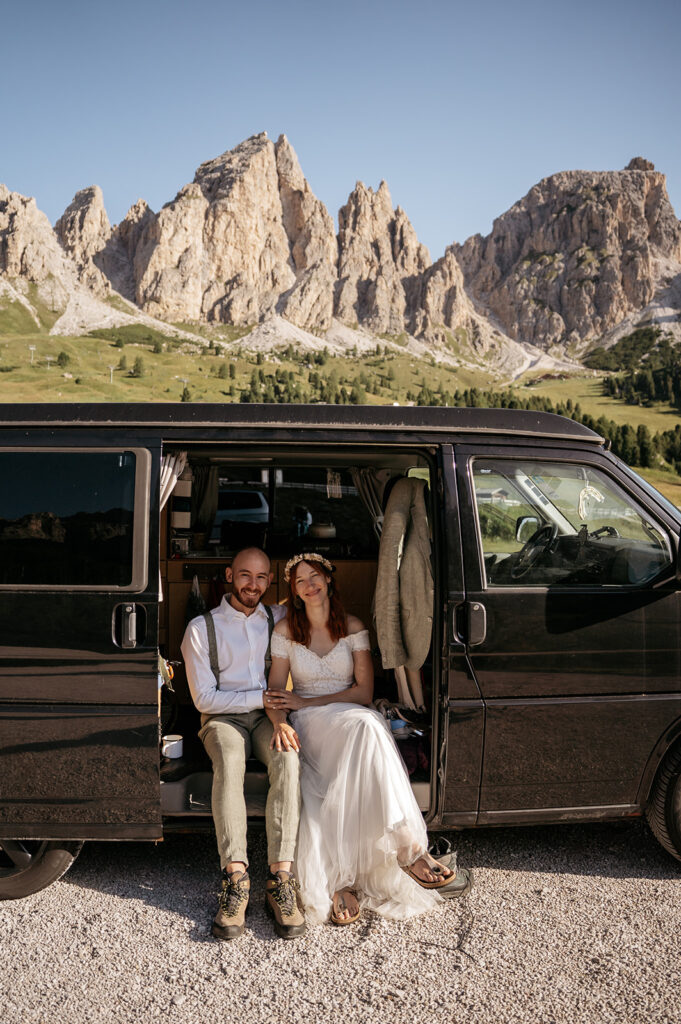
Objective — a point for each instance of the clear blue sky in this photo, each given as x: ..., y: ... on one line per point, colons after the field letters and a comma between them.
x: 461, y: 107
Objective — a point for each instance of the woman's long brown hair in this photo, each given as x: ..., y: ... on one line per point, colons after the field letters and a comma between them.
x: 298, y: 623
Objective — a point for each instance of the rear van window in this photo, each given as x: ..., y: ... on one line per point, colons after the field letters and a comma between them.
x: 66, y: 518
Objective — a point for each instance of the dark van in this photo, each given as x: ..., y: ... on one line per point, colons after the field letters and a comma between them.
x: 552, y: 686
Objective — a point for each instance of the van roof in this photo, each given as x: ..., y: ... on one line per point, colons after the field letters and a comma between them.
x: 424, y: 419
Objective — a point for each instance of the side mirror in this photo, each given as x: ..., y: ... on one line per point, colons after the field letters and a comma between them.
x: 525, y: 526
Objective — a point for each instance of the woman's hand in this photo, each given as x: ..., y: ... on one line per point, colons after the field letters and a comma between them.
x: 284, y: 737
x: 284, y: 700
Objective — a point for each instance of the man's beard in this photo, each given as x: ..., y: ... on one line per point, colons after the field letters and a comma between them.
x: 247, y: 600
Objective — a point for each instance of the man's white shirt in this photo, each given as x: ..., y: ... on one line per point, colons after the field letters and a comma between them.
x: 242, y: 646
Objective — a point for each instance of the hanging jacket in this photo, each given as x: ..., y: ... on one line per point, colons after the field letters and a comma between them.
x: 404, y: 587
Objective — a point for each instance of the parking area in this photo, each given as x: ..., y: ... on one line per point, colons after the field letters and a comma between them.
x: 564, y: 924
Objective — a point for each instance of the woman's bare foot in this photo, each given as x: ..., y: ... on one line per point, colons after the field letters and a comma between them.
x: 427, y: 869
x: 345, y: 906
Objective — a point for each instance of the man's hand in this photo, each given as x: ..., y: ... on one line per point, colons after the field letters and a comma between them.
x: 284, y: 737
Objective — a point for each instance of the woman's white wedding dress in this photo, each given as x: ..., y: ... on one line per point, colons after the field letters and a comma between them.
x: 359, y: 820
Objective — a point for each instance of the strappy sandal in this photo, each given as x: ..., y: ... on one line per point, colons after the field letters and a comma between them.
x: 340, y: 921
x: 435, y: 869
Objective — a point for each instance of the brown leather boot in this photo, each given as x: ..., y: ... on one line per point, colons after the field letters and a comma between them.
x: 233, y: 900
x: 284, y: 905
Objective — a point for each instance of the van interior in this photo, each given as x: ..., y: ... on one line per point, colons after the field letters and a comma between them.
x: 286, y: 500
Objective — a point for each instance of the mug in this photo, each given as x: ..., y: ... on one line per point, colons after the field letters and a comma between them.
x: 171, y: 745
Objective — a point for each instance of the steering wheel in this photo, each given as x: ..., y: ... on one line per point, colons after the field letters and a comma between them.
x: 533, y: 548
x: 605, y: 531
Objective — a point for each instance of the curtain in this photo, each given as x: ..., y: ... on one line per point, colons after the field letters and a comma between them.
x: 171, y: 470
x: 204, y: 497
x: 370, y: 484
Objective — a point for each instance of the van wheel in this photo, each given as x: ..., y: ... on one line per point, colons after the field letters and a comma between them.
x: 28, y: 865
x: 664, y: 807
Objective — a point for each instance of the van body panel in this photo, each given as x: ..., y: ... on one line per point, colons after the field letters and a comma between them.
x: 578, y: 681
x: 86, y: 766
x: 78, y: 656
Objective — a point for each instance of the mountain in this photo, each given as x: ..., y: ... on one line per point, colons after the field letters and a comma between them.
x: 582, y: 256
x: 577, y: 255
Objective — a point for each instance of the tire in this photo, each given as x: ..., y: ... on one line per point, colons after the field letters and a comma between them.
x: 664, y: 807
x: 29, y: 865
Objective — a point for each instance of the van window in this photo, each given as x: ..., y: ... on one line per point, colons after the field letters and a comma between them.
x: 66, y: 518
x: 543, y: 523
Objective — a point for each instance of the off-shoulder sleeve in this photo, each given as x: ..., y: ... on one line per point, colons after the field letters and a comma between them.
x: 359, y: 641
x: 281, y: 646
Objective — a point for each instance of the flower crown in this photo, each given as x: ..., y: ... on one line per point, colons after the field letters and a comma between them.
x: 306, y: 556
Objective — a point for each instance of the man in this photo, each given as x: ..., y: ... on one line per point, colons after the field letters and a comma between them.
x: 234, y: 725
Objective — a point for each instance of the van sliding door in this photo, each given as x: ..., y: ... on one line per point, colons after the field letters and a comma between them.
x: 78, y: 642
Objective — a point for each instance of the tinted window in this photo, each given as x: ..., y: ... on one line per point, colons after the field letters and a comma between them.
x: 66, y: 518
x: 544, y: 523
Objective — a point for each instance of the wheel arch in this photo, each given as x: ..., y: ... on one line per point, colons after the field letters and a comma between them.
x: 669, y: 739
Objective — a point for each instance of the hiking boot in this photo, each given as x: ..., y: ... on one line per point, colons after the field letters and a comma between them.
x: 458, y: 885
x: 233, y: 900
x: 284, y: 905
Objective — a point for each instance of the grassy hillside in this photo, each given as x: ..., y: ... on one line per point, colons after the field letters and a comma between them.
x: 210, y: 375
x: 138, y: 364
x: 588, y: 391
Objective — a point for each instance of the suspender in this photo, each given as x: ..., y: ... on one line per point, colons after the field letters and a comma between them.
x: 270, y: 629
x: 213, y: 643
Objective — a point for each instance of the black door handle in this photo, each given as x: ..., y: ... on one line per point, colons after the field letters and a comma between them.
x: 476, y: 623
x: 469, y: 623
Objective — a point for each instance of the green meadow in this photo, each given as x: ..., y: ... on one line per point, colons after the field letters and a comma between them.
x: 139, y: 364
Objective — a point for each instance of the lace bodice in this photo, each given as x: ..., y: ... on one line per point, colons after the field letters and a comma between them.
x: 312, y: 674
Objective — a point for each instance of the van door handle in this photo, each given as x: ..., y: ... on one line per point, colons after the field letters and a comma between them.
x: 129, y: 623
x: 469, y: 623
x: 476, y: 623
x: 125, y: 625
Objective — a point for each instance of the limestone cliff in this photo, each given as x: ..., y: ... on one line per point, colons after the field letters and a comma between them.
x: 84, y: 231
x: 312, y: 245
x: 248, y: 241
x: 29, y: 250
x: 576, y: 255
x: 219, y: 250
x: 380, y: 261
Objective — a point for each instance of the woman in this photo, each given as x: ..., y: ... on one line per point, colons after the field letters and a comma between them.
x: 362, y: 839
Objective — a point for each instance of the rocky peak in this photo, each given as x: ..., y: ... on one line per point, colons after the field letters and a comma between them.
x: 378, y: 253
x: 307, y: 222
x: 131, y: 227
x: 84, y: 230
x: 218, y: 177
x: 575, y: 255
x: 29, y: 249
x: 219, y: 251
x: 312, y: 244
x: 639, y: 163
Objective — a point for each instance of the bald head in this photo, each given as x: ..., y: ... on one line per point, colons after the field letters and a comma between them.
x: 250, y: 575
x: 250, y: 556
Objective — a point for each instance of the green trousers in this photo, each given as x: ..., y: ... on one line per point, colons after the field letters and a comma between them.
x: 229, y: 741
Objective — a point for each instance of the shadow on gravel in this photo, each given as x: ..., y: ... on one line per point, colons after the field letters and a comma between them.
x: 609, y: 850
x: 181, y: 876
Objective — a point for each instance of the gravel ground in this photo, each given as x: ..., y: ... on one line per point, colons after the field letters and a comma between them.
x: 563, y: 924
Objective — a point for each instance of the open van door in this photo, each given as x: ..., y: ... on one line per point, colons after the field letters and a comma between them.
x: 463, y: 720
x: 79, y: 590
